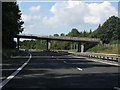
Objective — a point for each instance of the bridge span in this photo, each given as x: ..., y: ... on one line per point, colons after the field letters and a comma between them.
x: 81, y: 41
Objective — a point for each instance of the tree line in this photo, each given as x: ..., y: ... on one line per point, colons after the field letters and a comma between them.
x: 109, y: 31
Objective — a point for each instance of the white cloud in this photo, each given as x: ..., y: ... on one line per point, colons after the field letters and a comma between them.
x: 67, y: 15
x: 35, y: 8
x: 77, y: 12
x: 30, y: 18
x: 31, y: 23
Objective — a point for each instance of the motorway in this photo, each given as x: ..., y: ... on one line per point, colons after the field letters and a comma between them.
x: 47, y: 70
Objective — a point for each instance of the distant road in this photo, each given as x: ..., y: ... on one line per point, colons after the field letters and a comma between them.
x: 63, y: 70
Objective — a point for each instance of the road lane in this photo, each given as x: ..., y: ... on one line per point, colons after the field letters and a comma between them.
x: 50, y: 71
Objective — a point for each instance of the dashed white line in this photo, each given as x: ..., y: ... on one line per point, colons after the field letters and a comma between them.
x: 3, y: 83
x: 64, y: 61
x: 79, y: 68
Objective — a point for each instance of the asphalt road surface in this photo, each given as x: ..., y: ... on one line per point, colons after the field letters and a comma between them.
x: 47, y: 70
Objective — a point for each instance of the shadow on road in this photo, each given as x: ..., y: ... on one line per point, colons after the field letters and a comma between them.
x: 45, y: 73
x: 43, y: 80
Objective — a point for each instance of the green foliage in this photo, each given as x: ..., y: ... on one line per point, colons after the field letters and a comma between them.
x: 115, y: 42
x: 11, y: 26
x: 102, y: 49
x: 62, y: 34
x: 56, y: 35
x: 109, y: 31
x: 7, y: 53
x: 33, y: 44
x: 74, y: 33
x: 40, y: 44
x: 11, y: 23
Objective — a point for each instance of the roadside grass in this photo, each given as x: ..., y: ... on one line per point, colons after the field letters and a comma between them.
x: 13, y: 53
x: 103, y: 49
x: 72, y: 50
x: 7, y: 53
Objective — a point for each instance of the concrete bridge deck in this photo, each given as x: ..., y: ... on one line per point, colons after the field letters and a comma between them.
x: 60, y: 38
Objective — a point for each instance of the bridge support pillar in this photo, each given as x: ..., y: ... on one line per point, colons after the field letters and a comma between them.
x: 81, y: 47
x: 72, y: 46
x: 78, y: 47
x: 18, y: 44
x: 48, y: 45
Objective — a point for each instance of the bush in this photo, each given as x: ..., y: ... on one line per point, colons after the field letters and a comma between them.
x: 7, y: 53
x: 102, y: 49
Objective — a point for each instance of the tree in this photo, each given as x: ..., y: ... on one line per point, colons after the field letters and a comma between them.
x: 62, y: 34
x: 84, y: 33
x: 11, y: 23
x: 90, y: 31
x: 110, y: 30
x: 74, y: 33
x: 56, y: 35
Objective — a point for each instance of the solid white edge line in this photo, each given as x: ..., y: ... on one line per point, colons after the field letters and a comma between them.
x: 3, y: 83
x: 117, y: 88
x: 79, y: 68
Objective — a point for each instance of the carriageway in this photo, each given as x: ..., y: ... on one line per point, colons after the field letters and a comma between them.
x: 80, y: 41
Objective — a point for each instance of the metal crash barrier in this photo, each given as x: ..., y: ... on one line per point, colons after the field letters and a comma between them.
x: 111, y: 57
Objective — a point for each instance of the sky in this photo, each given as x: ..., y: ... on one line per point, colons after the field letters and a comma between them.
x: 56, y: 17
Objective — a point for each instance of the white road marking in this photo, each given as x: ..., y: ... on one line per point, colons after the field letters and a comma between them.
x: 117, y: 88
x: 3, y: 83
x: 64, y: 61
x: 79, y: 68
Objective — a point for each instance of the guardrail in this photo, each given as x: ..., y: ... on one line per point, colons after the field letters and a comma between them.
x: 111, y: 57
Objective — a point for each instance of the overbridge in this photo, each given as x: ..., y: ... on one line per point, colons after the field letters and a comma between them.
x: 81, y: 41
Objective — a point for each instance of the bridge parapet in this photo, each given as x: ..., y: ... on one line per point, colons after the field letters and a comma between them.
x: 76, y: 38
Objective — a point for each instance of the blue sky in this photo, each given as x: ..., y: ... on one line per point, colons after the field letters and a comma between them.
x: 48, y: 18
